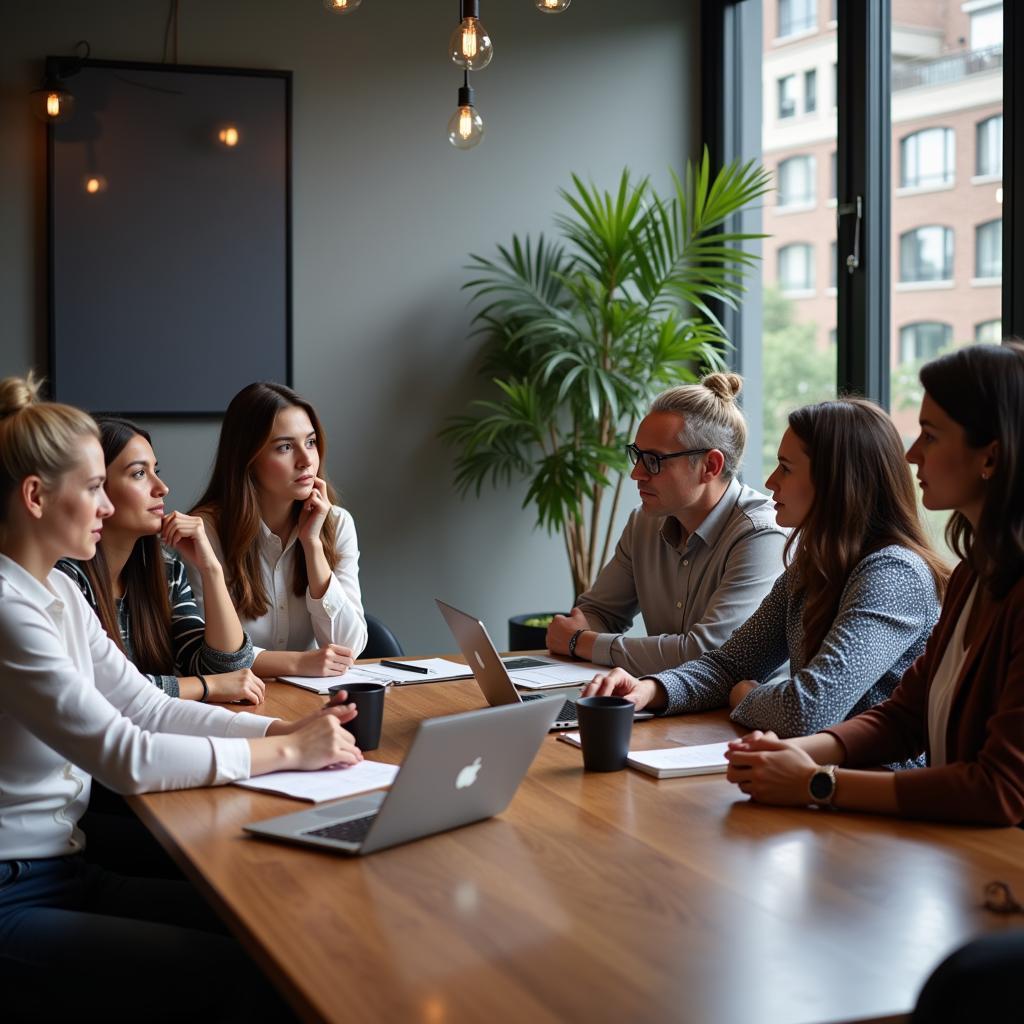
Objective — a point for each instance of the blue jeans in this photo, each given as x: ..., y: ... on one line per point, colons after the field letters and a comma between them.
x: 78, y: 942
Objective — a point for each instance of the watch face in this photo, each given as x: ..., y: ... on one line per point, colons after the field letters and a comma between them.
x: 821, y: 785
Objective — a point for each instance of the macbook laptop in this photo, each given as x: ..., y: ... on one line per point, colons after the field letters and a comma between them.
x: 491, y: 672
x: 460, y: 769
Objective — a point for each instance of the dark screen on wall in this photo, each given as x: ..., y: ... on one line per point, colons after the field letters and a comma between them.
x: 169, y: 248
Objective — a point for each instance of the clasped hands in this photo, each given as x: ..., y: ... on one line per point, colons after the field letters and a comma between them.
x: 765, y: 768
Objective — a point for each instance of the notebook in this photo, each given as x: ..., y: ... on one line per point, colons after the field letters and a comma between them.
x: 672, y: 762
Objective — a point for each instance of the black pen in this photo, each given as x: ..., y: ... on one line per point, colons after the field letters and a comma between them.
x: 405, y: 666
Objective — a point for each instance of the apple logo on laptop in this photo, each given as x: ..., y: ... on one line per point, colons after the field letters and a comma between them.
x: 467, y: 776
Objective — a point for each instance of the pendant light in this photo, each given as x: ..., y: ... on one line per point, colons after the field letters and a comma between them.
x: 470, y: 45
x: 466, y: 126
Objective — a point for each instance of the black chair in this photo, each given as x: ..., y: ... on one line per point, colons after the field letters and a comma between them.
x: 380, y: 641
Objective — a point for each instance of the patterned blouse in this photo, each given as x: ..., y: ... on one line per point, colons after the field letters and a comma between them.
x: 886, y: 611
x: 192, y: 655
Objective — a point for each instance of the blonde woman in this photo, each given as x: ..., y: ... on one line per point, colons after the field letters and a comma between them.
x: 73, y: 706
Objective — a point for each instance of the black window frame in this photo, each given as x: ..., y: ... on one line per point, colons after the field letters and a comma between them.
x: 730, y: 110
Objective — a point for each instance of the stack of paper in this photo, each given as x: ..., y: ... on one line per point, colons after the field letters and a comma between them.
x: 330, y: 784
x: 437, y: 670
x: 671, y: 762
x: 558, y: 673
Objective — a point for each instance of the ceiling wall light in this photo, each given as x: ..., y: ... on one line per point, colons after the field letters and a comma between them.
x: 465, y: 126
x: 53, y: 102
x: 470, y: 46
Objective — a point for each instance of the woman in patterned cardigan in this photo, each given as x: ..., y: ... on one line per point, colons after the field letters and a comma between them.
x: 855, y: 605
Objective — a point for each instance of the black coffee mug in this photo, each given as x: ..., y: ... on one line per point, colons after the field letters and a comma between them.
x: 606, y: 723
x: 369, y: 701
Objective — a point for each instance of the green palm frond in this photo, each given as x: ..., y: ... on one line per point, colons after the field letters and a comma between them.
x: 579, y: 334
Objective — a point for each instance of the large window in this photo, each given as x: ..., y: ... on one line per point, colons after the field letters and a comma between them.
x: 989, y: 157
x: 926, y: 254
x: 926, y: 158
x: 787, y: 96
x: 989, y: 330
x: 810, y: 91
x: 987, y: 26
x: 988, y: 250
x: 796, y: 268
x: 796, y: 16
x: 924, y: 340
x: 796, y: 181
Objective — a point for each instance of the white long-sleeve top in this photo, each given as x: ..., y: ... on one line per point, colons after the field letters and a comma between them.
x: 73, y: 706
x: 298, y: 622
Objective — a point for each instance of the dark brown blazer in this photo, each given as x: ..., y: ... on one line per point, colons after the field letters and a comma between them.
x: 983, y: 779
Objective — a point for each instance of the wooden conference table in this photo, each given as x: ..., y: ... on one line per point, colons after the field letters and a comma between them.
x: 594, y: 897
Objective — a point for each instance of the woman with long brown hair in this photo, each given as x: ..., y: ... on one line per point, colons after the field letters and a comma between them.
x: 139, y: 588
x: 962, y: 702
x: 854, y: 607
x: 289, y: 552
x: 72, y: 706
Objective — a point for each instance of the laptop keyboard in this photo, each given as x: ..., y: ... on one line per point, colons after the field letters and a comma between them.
x: 567, y: 712
x: 352, y: 831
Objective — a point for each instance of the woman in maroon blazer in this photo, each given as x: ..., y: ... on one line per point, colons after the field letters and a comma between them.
x: 962, y: 701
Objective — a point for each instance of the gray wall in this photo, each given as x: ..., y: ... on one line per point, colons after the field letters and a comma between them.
x: 384, y: 215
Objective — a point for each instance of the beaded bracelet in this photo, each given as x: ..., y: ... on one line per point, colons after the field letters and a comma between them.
x: 573, y: 641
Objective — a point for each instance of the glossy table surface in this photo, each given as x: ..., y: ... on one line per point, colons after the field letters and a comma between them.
x: 594, y: 897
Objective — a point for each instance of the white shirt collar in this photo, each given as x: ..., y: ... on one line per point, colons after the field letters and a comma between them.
x: 27, y: 585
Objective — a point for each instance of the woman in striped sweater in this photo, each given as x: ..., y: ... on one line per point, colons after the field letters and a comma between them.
x: 138, y: 586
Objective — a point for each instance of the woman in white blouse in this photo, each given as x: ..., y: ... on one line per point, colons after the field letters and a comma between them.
x: 72, y: 706
x: 289, y: 551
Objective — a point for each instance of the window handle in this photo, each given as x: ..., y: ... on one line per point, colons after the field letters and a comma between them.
x: 844, y: 210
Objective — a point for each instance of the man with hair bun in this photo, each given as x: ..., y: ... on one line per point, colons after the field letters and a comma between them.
x: 698, y: 555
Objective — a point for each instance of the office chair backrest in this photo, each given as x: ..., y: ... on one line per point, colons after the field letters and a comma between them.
x: 380, y: 641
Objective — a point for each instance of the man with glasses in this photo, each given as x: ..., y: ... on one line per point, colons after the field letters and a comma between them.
x: 698, y: 555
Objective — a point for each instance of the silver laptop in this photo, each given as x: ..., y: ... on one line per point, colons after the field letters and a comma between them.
x: 491, y: 672
x: 459, y: 769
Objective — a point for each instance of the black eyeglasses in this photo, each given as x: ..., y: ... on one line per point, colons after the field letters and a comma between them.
x: 652, y: 460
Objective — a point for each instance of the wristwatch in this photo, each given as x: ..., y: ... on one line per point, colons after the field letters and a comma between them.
x: 822, y: 786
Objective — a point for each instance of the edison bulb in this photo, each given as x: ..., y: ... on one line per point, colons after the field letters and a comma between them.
x: 94, y: 184
x: 229, y: 136
x: 52, y: 105
x: 342, y: 6
x: 470, y: 46
x: 552, y: 6
x: 465, y: 128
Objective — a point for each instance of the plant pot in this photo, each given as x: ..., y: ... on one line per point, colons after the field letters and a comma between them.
x: 522, y: 637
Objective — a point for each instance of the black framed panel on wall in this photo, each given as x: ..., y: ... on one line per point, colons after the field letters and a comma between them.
x: 169, y: 209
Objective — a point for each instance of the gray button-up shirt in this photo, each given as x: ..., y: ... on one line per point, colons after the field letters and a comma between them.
x: 693, y: 590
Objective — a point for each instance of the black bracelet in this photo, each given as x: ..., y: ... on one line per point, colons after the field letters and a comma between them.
x: 573, y: 640
x: 206, y: 689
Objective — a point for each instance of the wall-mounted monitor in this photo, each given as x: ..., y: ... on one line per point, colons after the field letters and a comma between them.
x: 169, y: 210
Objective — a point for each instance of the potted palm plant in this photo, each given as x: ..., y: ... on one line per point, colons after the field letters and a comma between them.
x: 581, y: 332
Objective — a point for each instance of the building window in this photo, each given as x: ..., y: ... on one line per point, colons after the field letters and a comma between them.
x: 923, y: 340
x: 796, y: 181
x: 787, y: 96
x: 988, y: 249
x: 796, y: 268
x: 926, y: 254
x: 810, y: 91
x: 987, y: 27
x: 833, y: 181
x: 926, y: 158
x: 990, y: 147
x: 833, y: 272
x: 798, y: 16
x: 989, y: 330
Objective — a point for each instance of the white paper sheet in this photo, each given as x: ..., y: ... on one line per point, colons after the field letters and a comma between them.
x: 331, y: 784
x: 560, y: 674
x: 706, y: 757
x: 438, y: 669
